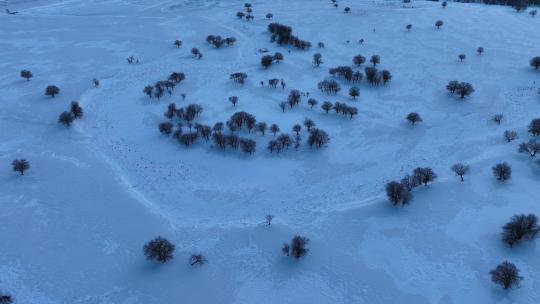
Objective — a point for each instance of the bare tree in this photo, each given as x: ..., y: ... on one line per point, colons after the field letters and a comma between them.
x: 535, y: 62
x: 197, y: 259
x: 354, y: 92
x: 26, y: 74
x: 480, y: 50
x: 327, y: 106
x: 398, y: 194
x: 312, y: 102
x: 297, y: 248
x: 408, y: 27
x: 297, y: 128
x: 375, y: 59
x: 532, y: 147
x: 510, y: 135
x: 507, y: 275
x: 20, y: 165
x: 233, y: 100
x: 462, y: 57
x: 76, y: 110
x: 66, y: 118
x: 520, y: 227
x: 497, y: 118
x: 460, y: 169
x: 274, y: 129
x: 159, y: 249
x: 178, y: 43
x: 424, y: 175
x: 439, y: 23
x: 413, y: 118
x: 268, y: 219
x: 502, y: 171
x: 317, y: 59
x: 534, y: 127
x: 52, y: 91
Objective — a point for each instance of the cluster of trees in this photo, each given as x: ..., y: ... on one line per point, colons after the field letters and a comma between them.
x: 75, y: 112
x: 249, y: 9
x: 282, y: 34
x: 274, y: 82
x: 20, y: 165
x: 268, y: 60
x: 161, y: 250
x: 374, y: 77
x: 532, y: 147
x: 399, y: 192
x: 297, y: 248
x: 346, y: 73
x: 218, y: 41
x: 329, y: 86
x: 340, y: 107
x: 293, y: 100
x: 238, y: 77
x: 282, y: 142
x: 460, y: 88
x: 233, y: 141
x: 168, y: 85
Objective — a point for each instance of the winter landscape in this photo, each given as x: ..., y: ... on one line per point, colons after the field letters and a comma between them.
x: 304, y: 151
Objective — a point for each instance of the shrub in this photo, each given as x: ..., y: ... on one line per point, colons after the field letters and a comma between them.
x: 398, y: 193
x: 159, y: 249
x: 52, y: 91
x: 502, y: 171
x: 268, y: 219
x: 26, y: 74
x: 497, y: 118
x: 413, y: 118
x: 20, y: 165
x: 197, y: 258
x: 66, y: 118
x: 297, y: 248
x: 520, y: 227
x: 506, y: 274
x: 460, y: 169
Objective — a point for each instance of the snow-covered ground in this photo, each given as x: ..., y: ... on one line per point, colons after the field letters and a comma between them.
x: 73, y: 227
